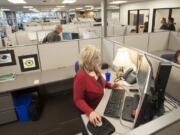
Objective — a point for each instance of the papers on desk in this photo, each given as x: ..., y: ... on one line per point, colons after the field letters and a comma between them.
x: 7, y: 77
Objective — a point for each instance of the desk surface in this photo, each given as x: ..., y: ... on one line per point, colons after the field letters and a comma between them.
x: 37, y: 78
x: 124, y: 127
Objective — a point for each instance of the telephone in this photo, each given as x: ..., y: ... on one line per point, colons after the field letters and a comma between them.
x: 130, y: 76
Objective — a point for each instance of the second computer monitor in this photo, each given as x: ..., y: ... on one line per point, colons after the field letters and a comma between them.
x: 144, y: 79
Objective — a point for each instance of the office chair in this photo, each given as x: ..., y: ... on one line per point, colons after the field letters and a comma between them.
x: 169, y: 57
x: 76, y: 66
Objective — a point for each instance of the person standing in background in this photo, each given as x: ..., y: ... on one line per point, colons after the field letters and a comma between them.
x: 170, y: 25
x: 164, y: 25
x: 53, y: 36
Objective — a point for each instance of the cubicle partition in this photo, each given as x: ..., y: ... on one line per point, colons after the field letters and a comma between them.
x: 21, y: 53
x: 174, y: 41
x: 58, y: 55
x: 88, y: 42
x: 158, y: 41
x: 139, y: 41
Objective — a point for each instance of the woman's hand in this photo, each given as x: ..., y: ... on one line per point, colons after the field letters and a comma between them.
x: 115, y: 85
x: 94, y: 118
x: 96, y: 70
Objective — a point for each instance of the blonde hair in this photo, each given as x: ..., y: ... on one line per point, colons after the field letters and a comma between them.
x: 87, y: 56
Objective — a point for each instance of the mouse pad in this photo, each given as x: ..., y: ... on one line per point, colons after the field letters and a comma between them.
x: 106, y: 129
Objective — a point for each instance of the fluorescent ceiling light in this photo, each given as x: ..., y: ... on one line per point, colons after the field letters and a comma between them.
x: 34, y: 10
x: 60, y: 6
x: 89, y: 6
x: 68, y: 1
x: 27, y: 6
x: 113, y: 7
x: 17, y: 1
x: 118, y: 2
x: 5, y: 9
x: 71, y: 10
x: 79, y: 8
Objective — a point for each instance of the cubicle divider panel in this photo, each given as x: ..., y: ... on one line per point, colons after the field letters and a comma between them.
x: 139, y: 41
x: 107, y: 52
x: 22, y: 51
x: 119, y: 39
x: 59, y: 54
x: 174, y: 41
x: 23, y: 38
x: 173, y: 85
x: 119, y: 30
x: 110, y: 31
x: 158, y: 41
x: 86, y: 42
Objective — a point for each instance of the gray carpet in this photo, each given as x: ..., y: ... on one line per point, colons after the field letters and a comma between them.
x: 59, y: 117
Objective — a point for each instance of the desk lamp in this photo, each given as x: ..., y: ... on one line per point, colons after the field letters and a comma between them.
x: 121, y: 61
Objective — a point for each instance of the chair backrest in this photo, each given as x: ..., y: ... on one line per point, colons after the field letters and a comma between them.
x: 169, y: 57
x: 76, y: 66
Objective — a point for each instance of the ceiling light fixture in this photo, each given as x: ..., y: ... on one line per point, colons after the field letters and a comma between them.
x: 118, y: 2
x: 27, y: 6
x: 68, y: 1
x: 60, y: 6
x: 79, y: 8
x: 17, y: 1
x: 5, y: 9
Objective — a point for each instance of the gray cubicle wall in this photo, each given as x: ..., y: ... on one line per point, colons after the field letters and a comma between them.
x: 158, y: 41
x: 174, y: 41
x: 59, y: 54
x: 86, y: 42
x: 173, y: 86
x: 139, y: 41
x: 107, y: 52
x: 19, y: 51
x: 119, y: 39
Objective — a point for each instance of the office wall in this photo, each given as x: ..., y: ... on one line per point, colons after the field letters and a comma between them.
x: 119, y: 39
x: 146, y: 5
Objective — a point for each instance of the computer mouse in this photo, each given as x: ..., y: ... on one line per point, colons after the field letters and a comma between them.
x: 99, y: 124
x: 105, y: 129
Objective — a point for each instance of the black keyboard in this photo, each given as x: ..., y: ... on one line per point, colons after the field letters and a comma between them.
x: 114, y: 105
x: 130, y: 105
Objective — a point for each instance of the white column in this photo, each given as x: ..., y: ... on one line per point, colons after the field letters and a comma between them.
x: 104, y: 16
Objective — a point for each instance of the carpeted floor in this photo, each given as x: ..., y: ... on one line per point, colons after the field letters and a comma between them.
x: 59, y: 117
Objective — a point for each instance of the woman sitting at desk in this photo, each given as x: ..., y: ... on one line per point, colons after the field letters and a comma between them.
x: 89, y: 84
x: 177, y: 57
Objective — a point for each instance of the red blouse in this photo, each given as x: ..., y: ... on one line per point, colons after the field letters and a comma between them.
x: 88, y: 91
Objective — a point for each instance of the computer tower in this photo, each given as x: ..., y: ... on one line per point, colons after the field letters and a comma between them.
x: 161, y: 81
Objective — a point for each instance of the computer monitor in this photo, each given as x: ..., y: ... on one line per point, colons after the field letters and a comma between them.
x: 67, y: 36
x: 152, y: 91
x: 161, y: 80
x: 144, y: 79
x: 75, y: 35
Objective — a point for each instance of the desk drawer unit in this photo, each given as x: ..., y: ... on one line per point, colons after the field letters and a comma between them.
x: 7, y: 116
x: 7, y: 111
x: 6, y: 102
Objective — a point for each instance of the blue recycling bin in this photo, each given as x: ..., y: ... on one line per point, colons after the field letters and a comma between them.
x: 22, y: 104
